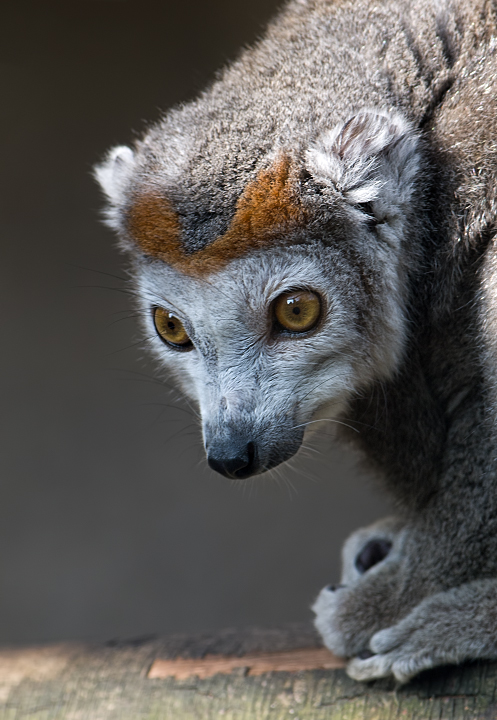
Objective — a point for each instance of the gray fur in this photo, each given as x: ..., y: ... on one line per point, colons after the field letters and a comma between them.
x: 406, y: 350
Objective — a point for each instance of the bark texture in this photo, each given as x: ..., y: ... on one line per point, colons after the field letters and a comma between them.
x: 111, y: 682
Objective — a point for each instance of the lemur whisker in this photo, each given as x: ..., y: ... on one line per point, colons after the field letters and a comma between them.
x: 126, y: 311
x: 308, y: 448
x: 168, y: 440
x: 190, y: 461
x: 277, y: 473
x: 101, y: 272
x: 127, y: 317
x: 336, y: 375
x: 165, y: 385
x: 143, y: 341
x: 320, y: 384
x: 166, y: 406
x: 294, y: 465
x: 123, y: 291
x: 332, y: 420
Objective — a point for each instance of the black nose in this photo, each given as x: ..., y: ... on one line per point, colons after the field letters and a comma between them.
x: 240, y: 465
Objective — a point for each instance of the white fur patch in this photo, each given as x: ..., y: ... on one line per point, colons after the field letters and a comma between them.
x: 362, y: 155
x: 113, y: 175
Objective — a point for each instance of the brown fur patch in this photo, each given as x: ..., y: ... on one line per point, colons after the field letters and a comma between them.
x: 268, y: 208
x: 155, y: 227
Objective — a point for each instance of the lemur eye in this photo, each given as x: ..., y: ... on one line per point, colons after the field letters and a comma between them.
x: 171, y: 329
x: 298, y: 310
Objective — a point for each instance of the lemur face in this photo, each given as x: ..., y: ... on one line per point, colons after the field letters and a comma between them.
x: 268, y: 346
x: 273, y: 324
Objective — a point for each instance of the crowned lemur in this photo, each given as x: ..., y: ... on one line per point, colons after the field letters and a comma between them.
x: 312, y: 238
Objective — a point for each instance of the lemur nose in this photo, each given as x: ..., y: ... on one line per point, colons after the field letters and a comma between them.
x: 241, y: 466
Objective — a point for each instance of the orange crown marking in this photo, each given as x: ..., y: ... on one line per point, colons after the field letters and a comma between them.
x: 268, y: 208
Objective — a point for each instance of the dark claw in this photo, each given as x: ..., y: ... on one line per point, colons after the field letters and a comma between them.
x: 372, y: 553
x: 365, y: 654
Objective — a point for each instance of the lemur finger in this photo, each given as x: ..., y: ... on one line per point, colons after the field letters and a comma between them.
x: 377, y: 666
x: 390, y: 638
x: 402, y: 666
x: 406, y: 668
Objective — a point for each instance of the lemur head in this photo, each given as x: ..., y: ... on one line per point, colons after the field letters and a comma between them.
x: 271, y: 281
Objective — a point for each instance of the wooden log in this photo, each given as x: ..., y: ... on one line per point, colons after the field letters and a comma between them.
x: 232, y: 675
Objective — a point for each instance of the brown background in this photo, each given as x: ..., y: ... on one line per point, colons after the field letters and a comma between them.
x: 111, y: 525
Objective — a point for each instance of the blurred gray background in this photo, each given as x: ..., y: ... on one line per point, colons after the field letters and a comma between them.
x: 111, y: 524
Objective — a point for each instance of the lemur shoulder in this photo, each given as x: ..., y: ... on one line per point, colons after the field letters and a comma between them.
x: 313, y: 237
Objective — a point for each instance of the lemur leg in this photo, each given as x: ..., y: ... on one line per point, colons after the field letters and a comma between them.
x: 370, y: 595
x: 445, y: 628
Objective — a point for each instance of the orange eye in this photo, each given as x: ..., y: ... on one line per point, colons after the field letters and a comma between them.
x: 297, y: 311
x: 171, y: 329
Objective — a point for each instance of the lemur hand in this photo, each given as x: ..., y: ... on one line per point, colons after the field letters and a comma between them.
x: 448, y: 627
x: 369, y: 595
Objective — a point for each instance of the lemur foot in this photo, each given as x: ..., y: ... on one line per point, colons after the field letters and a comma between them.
x: 445, y: 628
x: 347, y: 615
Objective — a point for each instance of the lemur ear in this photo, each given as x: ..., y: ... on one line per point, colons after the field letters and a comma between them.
x: 359, y: 156
x: 113, y: 175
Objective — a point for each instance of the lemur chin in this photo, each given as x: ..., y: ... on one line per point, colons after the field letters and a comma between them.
x: 312, y: 239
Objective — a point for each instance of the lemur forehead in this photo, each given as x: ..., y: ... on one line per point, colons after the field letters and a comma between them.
x: 269, y: 208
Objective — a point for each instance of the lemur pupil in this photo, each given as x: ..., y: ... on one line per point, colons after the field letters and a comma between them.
x: 296, y: 311
x: 171, y: 325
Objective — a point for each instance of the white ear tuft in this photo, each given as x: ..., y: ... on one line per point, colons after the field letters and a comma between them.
x: 367, y: 134
x: 113, y: 174
x: 359, y: 156
x: 114, y: 171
